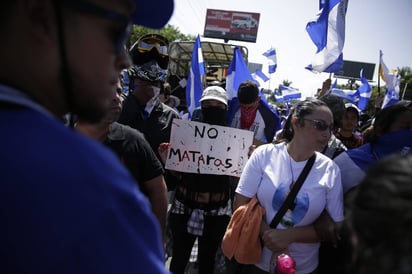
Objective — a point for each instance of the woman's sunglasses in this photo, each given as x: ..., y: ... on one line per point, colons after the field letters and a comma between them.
x: 320, y: 125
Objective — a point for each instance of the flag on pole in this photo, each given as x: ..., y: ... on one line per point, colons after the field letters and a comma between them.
x: 383, y: 69
x: 364, y: 91
x: 289, y: 93
x: 392, y: 82
x: 270, y: 54
x: 194, y: 86
x: 327, y: 32
x: 259, y: 77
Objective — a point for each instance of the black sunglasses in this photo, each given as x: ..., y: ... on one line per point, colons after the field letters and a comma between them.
x: 320, y: 125
x: 92, y: 9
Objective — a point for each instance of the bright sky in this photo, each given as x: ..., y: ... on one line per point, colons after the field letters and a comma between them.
x: 371, y: 25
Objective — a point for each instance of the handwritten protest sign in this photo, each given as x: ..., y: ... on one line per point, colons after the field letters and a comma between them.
x: 208, y: 149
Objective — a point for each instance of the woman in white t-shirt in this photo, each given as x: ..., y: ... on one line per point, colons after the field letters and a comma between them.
x: 273, y: 168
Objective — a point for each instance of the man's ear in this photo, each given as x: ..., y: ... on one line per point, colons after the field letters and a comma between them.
x: 40, y: 15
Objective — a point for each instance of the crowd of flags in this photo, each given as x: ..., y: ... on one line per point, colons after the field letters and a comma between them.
x: 327, y: 31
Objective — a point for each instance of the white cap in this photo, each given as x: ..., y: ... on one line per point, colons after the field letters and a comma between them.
x: 215, y: 93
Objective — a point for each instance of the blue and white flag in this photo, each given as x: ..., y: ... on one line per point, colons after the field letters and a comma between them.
x: 272, y: 62
x: 327, y: 32
x: 278, y: 96
x: 259, y: 77
x: 364, y: 91
x: 346, y: 94
x: 289, y: 93
x: 194, y: 86
x: 392, y: 80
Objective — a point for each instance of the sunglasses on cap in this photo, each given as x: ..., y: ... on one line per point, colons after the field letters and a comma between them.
x: 120, y: 39
x: 320, y: 125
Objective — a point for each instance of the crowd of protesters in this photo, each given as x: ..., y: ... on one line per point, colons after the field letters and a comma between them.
x: 70, y: 205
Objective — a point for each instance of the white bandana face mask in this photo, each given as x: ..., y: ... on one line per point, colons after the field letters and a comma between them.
x: 151, y: 103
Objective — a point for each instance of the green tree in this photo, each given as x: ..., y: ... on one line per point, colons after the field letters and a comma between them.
x: 405, y: 87
x: 170, y: 32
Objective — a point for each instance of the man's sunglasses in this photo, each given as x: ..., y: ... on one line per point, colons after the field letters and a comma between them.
x: 320, y: 125
x: 86, y: 7
x: 149, y: 42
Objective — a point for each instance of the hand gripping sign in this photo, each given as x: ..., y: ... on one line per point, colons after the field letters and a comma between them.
x: 208, y: 149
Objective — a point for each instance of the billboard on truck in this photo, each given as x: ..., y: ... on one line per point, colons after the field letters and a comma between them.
x: 231, y: 25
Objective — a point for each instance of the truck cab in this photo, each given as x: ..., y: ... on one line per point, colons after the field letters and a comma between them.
x: 243, y: 22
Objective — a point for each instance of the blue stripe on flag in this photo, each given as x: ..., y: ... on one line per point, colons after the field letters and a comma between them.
x: 194, y: 86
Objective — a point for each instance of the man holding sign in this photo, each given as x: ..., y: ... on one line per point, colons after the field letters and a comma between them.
x: 205, y: 154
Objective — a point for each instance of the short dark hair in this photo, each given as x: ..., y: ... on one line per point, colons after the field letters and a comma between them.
x: 379, y: 216
x: 387, y: 116
x: 248, y: 92
x: 337, y: 106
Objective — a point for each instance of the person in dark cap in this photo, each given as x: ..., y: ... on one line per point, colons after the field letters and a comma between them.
x: 68, y: 204
x: 142, y: 108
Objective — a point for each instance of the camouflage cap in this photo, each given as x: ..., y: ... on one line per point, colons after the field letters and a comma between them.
x: 150, y: 71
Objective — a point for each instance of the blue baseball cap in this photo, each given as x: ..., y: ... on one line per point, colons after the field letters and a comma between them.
x: 152, y: 13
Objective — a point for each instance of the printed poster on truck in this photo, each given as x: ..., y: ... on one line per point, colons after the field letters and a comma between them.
x: 231, y: 25
x: 208, y: 149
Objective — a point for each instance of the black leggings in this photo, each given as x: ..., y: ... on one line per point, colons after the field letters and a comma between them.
x: 214, y: 229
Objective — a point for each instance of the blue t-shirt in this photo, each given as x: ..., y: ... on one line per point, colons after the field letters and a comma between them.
x: 67, y: 204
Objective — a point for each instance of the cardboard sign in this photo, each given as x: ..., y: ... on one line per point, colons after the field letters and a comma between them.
x: 208, y: 149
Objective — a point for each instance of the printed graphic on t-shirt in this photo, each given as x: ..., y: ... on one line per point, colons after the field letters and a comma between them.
x: 297, y: 209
